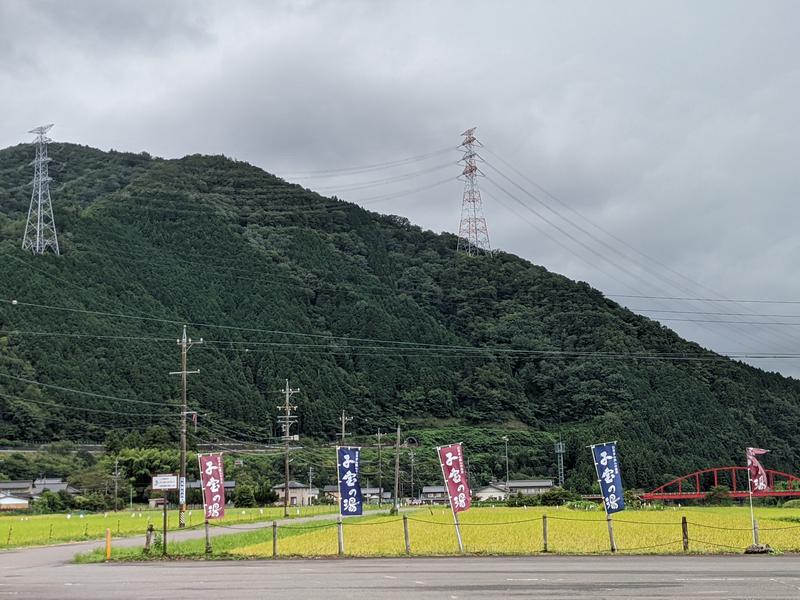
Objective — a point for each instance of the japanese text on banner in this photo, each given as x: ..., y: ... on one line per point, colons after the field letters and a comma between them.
x: 212, y: 480
x: 349, y: 468
x: 759, y: 482
x: 455, y: 477
x: 608, y: 473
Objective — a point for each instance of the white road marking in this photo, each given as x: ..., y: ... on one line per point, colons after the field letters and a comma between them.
x: 713, y: 578
x: 389, y: 577
x: 524, y: 579
x: 784, y: 583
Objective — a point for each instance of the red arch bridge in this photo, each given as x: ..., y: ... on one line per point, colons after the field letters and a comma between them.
x: 695, y: 486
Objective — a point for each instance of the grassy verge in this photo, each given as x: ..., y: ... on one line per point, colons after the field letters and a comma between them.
x: 222, y: 545
x: 506, y: 531
x: 39, y: 530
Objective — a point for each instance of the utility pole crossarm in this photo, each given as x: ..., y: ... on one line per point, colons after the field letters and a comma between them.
x: 344, y: 421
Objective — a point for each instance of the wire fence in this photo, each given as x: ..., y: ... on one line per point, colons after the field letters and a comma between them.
x: 379, y: 535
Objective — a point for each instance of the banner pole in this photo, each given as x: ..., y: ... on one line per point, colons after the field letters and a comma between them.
x: 450, y: 501
x: 605, y: 507
x: 458, y: 532
x: 750, y: 494
x: 338, y: 480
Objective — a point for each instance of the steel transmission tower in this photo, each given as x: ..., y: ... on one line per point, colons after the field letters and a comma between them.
x: 40, y: 230
x: 473, y: 235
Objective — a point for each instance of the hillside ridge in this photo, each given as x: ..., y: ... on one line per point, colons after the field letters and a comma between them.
x: 364, y: 312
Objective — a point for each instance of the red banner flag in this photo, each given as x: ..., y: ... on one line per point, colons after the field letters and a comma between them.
x: 213, y: 483
x: 454, y: 472
x: 757, y: 474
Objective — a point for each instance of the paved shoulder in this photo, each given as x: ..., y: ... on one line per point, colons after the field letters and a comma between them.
x: 451, y: 578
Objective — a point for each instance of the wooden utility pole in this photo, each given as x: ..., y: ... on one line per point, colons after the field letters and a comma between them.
x: 344, y: 421
x: 380, y: 470
x: 184, y: 343
x: 116, y: 483
x: 286, y: 420
x: 411, y: 456
x: 397, y: 471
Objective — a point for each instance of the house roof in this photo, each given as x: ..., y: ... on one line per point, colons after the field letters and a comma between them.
x: 7, y: 499
x: 37, y: 486
x: 53, y: 485
x: 293, y: 485
x: 15, y: 485
x: 500, y: 487
x: 516, y: 483
x: 195, y: 485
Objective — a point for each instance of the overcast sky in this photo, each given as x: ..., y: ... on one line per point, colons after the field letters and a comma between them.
x: 672, y: 125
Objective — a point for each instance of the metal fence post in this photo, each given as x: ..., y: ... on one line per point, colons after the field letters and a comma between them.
x: 544, y: 532
x: 611, y: 533
x: 148, y: 538
x: 755, y: 531
x: 208, y: 537
x: 274, y: 539
x: 406, y: 536
x: 341, y: 535
x: 685, y: 533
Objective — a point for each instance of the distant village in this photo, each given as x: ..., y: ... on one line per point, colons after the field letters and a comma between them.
x: 23, y: 494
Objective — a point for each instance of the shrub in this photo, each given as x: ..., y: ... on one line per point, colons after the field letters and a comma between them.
x: 557, y: 496
x: 719, y: 495
x: 582, y: 505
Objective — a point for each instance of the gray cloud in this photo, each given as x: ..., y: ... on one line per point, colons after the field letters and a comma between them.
x: 670, y: 124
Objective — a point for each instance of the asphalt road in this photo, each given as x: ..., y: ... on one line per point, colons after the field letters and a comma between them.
x: 47, y: 573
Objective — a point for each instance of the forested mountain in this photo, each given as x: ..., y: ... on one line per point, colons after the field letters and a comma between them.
x: 363, y: 312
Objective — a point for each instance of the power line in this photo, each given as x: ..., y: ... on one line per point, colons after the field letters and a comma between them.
x: 401, y: 193
x: 444, y: 350
x: 370, y: 167
x: 80, y: 408
x: 741, y: 335
x: 81, y: 392
x: 384, y: 181
x: 738, y: 301
x: 781, y: 333
x: 700, y: 312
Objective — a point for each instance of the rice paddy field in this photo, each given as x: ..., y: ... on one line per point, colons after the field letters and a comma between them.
x: 485, y: 531
x: 36, y: 530
x: 518, y: 531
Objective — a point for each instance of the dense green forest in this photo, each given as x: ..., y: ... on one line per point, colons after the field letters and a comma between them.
x: 362, y: 311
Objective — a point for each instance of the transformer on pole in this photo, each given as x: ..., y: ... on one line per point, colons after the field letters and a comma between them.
x: 40, y: 229
x: 473, y: 235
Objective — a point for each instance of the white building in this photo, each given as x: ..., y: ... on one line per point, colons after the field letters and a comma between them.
x: 13, y: 503
x: 529, y: 487
x: 496, y: 490
x: 300, y: 494
x: 493, y: 491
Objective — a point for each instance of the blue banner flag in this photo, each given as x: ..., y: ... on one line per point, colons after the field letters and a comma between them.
x: 606, y: 464
x: 349, y: 467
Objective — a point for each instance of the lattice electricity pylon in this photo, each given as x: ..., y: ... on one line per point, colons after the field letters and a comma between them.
x: 473, y: 235
x: 560, y: 462
x: 40, y: 229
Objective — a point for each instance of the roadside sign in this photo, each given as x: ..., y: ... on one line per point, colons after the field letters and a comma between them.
x: 182, y: 491
x: 165, y: 482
